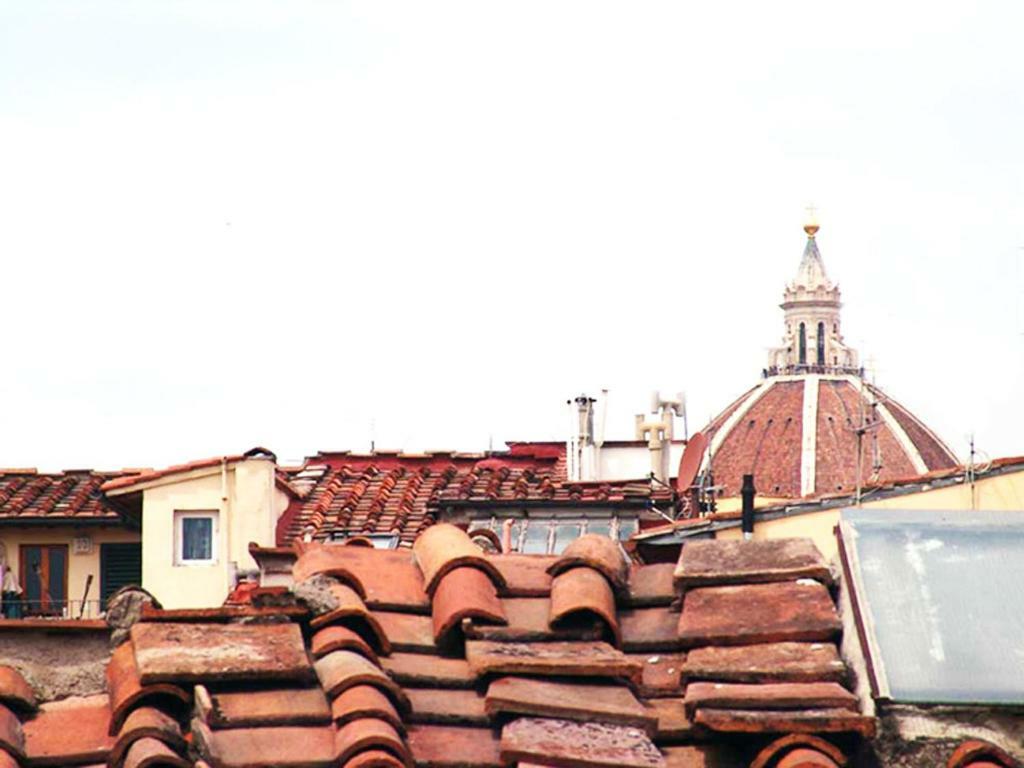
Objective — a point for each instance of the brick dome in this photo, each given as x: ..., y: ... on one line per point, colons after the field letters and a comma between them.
x: 798, y: 434
x: 798, y: 431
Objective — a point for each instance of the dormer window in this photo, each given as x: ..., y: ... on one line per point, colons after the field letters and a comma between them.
x: 195, y: 537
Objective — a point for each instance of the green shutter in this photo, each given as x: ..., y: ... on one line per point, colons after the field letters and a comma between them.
x: 120, y: 565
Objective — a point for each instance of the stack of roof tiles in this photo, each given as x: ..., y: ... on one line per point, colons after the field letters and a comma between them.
x: 445, y: 657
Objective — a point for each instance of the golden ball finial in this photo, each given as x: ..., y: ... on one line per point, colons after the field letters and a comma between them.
x: 811, y: 222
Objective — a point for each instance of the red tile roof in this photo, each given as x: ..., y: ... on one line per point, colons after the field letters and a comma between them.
x: 478, y: 661
x: 345, y: 494
x: 120, y: 483
x: 73, y: 496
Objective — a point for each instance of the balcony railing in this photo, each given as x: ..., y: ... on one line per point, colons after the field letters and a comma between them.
x: 52, y: 609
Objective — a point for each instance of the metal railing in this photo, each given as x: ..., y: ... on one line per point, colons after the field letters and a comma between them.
x: 52, y: 609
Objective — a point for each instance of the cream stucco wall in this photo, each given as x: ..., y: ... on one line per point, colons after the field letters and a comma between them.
x: 999, y: 493
x: 80, y: 566
x: 247, y: 503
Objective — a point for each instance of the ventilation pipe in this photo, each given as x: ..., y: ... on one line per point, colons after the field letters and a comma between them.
x: 747, y: 492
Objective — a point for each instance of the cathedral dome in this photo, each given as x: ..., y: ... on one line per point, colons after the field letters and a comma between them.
x: 813, y: 425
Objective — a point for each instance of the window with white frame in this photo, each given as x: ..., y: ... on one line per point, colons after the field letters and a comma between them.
x: 195, y: 537
x: 539, y: 535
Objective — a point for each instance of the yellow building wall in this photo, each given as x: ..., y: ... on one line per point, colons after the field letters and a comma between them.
x: 80, y: 567
x: 247, y: 503
x: 999, y: 493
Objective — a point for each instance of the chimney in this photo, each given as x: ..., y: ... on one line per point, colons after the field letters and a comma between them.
x: 580, y: 446
x: 747, y: 492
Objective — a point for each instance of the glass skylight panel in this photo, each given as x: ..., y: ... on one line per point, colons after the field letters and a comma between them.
x: 940, y: 603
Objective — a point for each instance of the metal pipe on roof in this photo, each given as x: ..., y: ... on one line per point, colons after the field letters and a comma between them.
x: 747, y: 492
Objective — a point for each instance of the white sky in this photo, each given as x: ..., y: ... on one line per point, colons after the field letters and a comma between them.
x: 228, y: 224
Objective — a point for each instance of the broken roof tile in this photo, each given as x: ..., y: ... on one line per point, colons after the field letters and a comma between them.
x: 15, y: 692
x: 192, y: 653
x: 70, y: 731
x: 447, y: 706
x: 650, y: 629
x: 769, y: 696
x: 598, y: 552
x: 766, y: 663
x: 451, y: 746
x: 365, y: 701
x: 758, y: 613
x: 584, y: 593
x: 369, y: 733
x: 443, y: 547
x: 287, y: 747
x: 421, y: 670
x: 715, y: 562
x: 569, y: 744
x: 340, y: 670
x: 568, y: 659
x: 148, y: 752
x: 785, y: 721
x: 259, y: 708
x: 584, y: 702
x: 464, y: 593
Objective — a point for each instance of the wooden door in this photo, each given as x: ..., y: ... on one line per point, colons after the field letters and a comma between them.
x: 44, y: 577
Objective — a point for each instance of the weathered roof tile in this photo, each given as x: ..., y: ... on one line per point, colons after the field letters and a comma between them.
x: 766, y: 663
x: 566, y: 743
x: 716, y: 562
x: 567, y: 659
x: 584, y: 593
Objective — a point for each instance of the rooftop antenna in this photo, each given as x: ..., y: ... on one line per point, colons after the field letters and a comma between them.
x: 867, y: 425
x: 373, y: 434
x: 974, y: 466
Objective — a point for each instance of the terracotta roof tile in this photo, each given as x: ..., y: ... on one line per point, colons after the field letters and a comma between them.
x: 714, y: 562
x: 447, y: 706
x: 652, y: 585
x: 127, y: 691
x: 261, y: 708
x: 758, y: 613
x: 584, y: 702
x: 287, y: 747
x: 373, y: 758
x: 567, y: 743
x: 449, y: 746
x: 12, y: 739
x: 69, y: 732
x: 444, y: 547
x: 660, y: 674
x: 525, y: 575
x: 673, y: 725
x: 55, y: 496
x: 147, y: 723
x: 597, y: 552
x: 369, y: 733
x: 766, y: 663
x: 811, y: 751
x: 191, y: 653
x: 153, y: 753
x: 15, y: 692
x: 785, y: 721
x: 566, y: 659
x: 650, y: 629
x: 584, y: 593
x: 338, y: 638
x: 384, y: 579
x: 390, y: 493
x: 769, y: 696
x: 361, y: 701
x: 421, y: 670
x: 408, y: 631
x: 528, y: 621
x: 464, y: 593
x: 341, y: 670
x: 349, y: 610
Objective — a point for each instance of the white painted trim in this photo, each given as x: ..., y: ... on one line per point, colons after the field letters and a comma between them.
x: 894, y: 426
x: 739, y: 413
x: 809, y: 442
